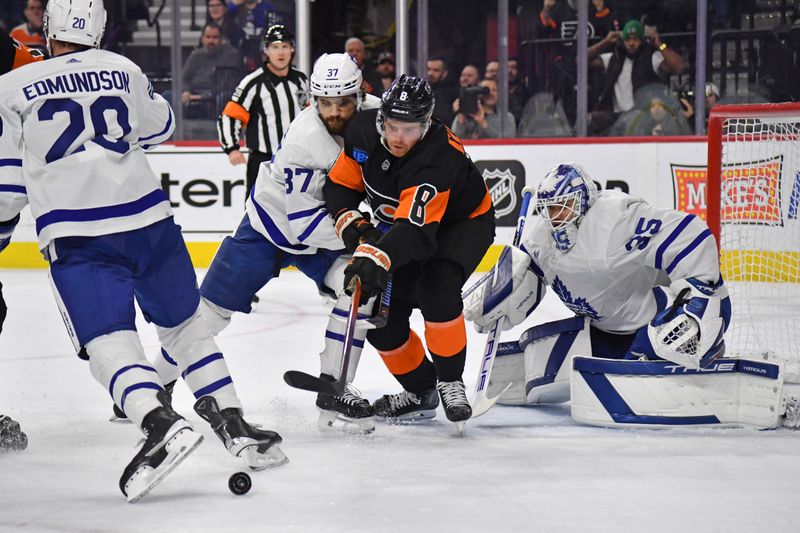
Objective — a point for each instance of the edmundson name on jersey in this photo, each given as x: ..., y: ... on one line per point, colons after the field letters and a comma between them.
x: 79, y: 82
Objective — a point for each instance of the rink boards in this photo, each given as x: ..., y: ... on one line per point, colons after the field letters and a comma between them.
x: 207, y: 193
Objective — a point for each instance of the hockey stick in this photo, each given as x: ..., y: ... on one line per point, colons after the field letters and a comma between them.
x: 480, y: 401
x: 301, y: 380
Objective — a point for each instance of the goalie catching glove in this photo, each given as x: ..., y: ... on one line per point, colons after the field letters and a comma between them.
x: 510, y: 289
x: 689, y: 332
x: 371, y: 265
x: 354, y: 228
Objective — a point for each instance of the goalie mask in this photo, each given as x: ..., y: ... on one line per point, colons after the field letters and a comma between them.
x: 563, y: 197
x: 74, y: 21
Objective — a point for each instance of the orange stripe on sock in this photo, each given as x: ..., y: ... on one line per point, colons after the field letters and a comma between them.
x: 446, y: 339
x: 406, y: 358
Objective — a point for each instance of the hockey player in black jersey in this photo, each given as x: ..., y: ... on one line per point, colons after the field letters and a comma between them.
x: 421, y: 186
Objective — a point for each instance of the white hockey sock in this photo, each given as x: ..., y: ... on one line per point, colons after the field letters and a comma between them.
x: 331, y: 356
x: 200, y: 360
x: 118, y: 363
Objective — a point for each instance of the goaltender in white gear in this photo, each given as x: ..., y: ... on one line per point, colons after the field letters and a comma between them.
x: 651, y: 309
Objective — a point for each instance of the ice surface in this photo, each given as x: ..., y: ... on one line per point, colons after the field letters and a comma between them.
x: 517, y: 469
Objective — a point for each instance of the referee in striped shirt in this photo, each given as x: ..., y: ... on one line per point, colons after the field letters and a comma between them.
x: 264, y: 102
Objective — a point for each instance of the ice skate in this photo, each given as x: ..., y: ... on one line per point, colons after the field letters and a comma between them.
x: 407, y: 406
x: 120, y: 416
x: 12, y: 438
x: 348, y: 413
x: 169, y: 439
x: 258, y: 448
x: 454, y: 400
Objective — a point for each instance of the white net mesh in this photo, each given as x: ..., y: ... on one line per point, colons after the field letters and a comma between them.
x: 760, y: 234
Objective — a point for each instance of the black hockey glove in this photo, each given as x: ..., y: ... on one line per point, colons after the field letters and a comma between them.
x: 371, y: 265
x: 3, y: 308
x: 354, y: 228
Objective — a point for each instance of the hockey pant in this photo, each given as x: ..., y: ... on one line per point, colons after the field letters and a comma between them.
x: 95, y: 281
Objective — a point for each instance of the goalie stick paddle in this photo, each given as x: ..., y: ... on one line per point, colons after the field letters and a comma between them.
x: 301, y: 380
x: 480, y: 401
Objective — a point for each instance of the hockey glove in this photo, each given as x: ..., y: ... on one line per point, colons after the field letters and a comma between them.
x: 371, y: 265
x: 690, y: 331
x: 509, y: 290
x: 354, y: 228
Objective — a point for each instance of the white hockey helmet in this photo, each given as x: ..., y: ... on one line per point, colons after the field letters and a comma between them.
x: 75, y: 21
x: 336, y: 75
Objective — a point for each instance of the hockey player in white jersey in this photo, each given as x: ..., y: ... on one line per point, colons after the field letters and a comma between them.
x: 286, y: 223
x: 81, y: 122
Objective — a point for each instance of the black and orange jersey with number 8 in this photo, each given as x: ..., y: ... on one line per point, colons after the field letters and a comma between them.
x: 14, y: 55
x: 433, y: 184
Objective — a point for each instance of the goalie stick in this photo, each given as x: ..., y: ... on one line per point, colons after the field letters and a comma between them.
x: 304, y: 381
x: 480, y: 401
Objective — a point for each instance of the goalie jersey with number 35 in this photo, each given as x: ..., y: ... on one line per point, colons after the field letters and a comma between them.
x: 623, y: 254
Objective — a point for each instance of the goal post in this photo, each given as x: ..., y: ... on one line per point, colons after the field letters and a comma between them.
x: 752, y: 196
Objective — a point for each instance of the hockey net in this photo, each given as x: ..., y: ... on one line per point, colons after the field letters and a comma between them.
x: 752, y: 209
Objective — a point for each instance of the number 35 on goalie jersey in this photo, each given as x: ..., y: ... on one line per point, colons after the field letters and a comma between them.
x: 434, y: 183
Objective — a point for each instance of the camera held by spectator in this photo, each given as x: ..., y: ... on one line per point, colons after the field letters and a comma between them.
x: 468, y: 99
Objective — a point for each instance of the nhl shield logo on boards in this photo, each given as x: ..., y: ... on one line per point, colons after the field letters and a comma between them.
x: 505, y: 179
x: 501, y: 189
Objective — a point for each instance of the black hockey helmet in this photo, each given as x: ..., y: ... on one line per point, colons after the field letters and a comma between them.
x: 278, y: 33
x: 408, y: 99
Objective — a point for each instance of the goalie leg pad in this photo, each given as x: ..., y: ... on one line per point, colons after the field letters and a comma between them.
x: 538, y: 366
x: 728, y: 393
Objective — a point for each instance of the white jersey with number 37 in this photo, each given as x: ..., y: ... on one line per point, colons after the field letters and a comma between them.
x: 287, y: 206
x: 625, y: 249
x: 74, y: 130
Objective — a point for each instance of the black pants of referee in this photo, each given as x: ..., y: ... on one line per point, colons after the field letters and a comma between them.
x: 254, y: 161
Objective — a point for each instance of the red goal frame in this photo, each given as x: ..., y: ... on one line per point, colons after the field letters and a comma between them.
x: 716, y: 122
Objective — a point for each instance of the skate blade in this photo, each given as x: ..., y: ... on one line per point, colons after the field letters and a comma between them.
x: 417, y: 416
x: 330, y: 422
x: 178, y: 448
x: 460, y: 428
x: 273, y: 457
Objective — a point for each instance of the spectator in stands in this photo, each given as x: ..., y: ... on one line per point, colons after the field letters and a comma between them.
x: 602, y: 19
x: 444, y: 88
x: 30, y: 33
x: 386, y: 70
x: 518, y: 93
x: 629, y: 63
x: 217, y: 12
x: 253, y: 16
x: 199, y: 70
x: 470, y: 76
x: 687, y: 102
x: 660, y: 119
x: 484, y: 123
x: 11, y: 13
x: 554, y: 64
x: 370, y: 80
x: 491, y: 70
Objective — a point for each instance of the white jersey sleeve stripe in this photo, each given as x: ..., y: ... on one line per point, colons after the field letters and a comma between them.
x: 274, y: 233
x: 670, y: 239
x: 305, y: 213
x: 11, y: 163
x: 166, y: 131
x: 689, y: 249
x: 95, y: 214
x: 311, y: 227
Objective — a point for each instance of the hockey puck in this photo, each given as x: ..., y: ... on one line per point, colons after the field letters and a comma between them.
x: 240, y: 483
